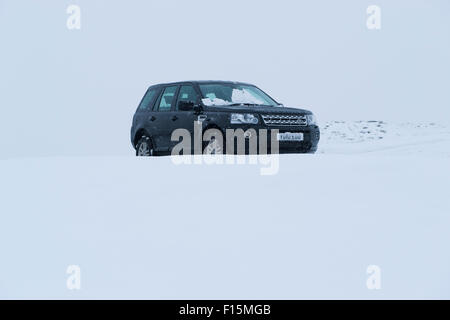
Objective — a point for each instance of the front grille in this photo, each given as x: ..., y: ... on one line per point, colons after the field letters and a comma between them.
x: 284, y: 120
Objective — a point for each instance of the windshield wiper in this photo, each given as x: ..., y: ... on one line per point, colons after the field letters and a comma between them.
x: 247, y: 104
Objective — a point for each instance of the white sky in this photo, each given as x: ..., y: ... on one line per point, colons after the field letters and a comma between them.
x: 74, y: 92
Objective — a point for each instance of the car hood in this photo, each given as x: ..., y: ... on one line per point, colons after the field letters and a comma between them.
x: 259, y: 109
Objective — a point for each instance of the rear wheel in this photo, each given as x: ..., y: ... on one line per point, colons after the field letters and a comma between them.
x: 144, y: 147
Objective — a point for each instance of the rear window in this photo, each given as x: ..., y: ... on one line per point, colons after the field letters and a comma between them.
x: 147, y: 101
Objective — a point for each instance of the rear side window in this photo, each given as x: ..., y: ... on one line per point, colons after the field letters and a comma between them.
x: 167, y: 98
x: 147, y: 101
x: 188, y: 94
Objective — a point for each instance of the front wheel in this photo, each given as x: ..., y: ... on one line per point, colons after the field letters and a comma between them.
x: 144, y: 147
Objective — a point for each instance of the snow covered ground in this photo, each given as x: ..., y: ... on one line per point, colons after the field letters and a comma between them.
x: 376, y: 193
x: 386, y: 138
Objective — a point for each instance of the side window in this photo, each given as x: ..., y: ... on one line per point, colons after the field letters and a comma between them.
x: 147, y: 101
x: 167, y: 98
x: 187, y: 93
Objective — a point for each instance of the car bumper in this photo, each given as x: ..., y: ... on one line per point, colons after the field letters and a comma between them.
x: 311, y: 137
x: 309, y: 144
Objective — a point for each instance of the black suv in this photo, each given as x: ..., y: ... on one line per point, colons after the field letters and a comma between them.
x: 222, y: 106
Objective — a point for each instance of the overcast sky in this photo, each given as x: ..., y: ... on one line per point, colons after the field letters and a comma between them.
x: 74, y: 92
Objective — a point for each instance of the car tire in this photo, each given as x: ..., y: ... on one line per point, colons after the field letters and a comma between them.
x: 144, y: 147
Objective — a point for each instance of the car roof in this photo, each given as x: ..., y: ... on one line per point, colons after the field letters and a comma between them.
x: 202, y: 82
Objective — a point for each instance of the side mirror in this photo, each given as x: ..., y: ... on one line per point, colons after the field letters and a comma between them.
x: 198, y: 108
x: 186, y: 106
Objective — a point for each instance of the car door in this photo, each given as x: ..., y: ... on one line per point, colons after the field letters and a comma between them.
x: 185, y: 119
x: 163, y: 116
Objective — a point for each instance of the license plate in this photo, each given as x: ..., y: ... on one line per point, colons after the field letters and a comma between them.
x: 290, y: 136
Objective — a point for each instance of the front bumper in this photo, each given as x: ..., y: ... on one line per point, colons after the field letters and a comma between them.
x: 311, y: 138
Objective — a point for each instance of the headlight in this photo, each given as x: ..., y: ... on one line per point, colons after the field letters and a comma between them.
x: 239, y: 118
x: 311, y: 119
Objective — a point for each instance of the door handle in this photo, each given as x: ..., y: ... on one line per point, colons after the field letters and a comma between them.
x: 174, y: 118
x: 152, y: 118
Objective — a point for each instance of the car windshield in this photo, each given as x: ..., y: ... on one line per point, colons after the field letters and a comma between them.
x: 230, y: 94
